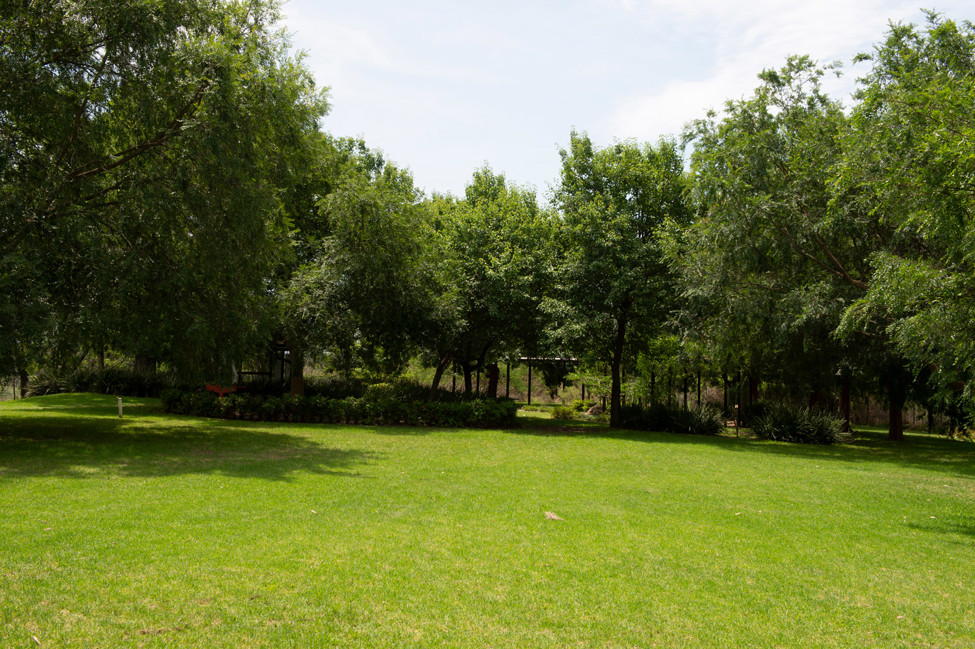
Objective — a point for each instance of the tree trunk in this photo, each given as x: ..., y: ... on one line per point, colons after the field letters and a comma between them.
x: 845, y: 402
x: 740, y: 406
x: 144, y: 364
x: 438, y: 374
x: 615, y: 405
x: 24, y: 381
x: 684, y: 389
x: 670, y: 386
x: 468, y: 379
x: 896, y: 396
x: 101, y: 358
x: 895, y: 430
x: 494, y: 375
x: 297, y: 372
x: 724, y: 378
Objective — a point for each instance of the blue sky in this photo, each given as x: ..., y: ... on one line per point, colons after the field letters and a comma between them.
x: 443, y: 87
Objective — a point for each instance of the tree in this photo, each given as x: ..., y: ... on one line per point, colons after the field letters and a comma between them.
x: 616, y: 287
x: 782, y: 249
x: 361, y: 287
x: 379, y: 253
x: 145, y: 150
x: 910, y: 160
x: 495, y: 272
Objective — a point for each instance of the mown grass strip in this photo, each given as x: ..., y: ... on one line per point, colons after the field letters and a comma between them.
x: 156, y: 530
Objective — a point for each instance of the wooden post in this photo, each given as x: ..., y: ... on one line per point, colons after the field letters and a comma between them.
x: 724, y: 377
x: 699, y: 388
x: 845, y: 401
x: 740, y: 394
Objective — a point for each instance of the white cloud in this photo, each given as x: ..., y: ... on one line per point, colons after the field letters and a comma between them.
x: 748, y: 38
x: 444, y: 86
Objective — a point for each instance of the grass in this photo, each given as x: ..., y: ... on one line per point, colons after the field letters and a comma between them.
x: 162, y: 531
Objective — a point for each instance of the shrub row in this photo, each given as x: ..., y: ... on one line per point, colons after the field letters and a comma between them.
x: 672, y: 419
x: 119, y: 381
x: 803, y: 426
x: 336, y: 387
x: 374, y: 407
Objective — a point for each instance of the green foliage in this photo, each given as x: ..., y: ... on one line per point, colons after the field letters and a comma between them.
x: 673, y: 419
x: 380, y: 405
x: 910, y: 158
x: 496, y: 268
x: 616, y: 289
x: 118, y: 381
x: 582, y: 406
x: 334, y: 387
x: 773, y: 262
x: 46, y: 381
x: 801, y: 426
x: 145, y: 148
x: 563, y: 412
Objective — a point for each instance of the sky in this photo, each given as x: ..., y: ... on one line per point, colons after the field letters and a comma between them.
x: 444, y: 87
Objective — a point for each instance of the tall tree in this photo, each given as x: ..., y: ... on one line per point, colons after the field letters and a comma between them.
x: 496, y: 272
x: 362, y: 285
x: 145, y: 150
x: 617, y: 289
x: 910, y: 159
x: 781, y: 250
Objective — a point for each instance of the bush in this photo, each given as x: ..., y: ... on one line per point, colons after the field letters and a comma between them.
x: 117, y: 380
x: 802, y: 426
x: 379, y: 406
x: 582, y: 406
x: 334, y: 387
x: 752, y: 412
x: 561, y: 412
x: 672, y: 419
x: 46, y: 382
x: 705, y: 420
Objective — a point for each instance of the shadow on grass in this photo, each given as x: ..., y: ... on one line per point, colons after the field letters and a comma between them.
x: 82, y: 441
x: 919, y: 451
x: 952, y: 524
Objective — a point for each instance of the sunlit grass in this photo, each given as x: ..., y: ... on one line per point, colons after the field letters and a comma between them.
x: 165, y: 531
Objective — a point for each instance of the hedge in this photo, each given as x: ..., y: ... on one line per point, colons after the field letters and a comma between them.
x: 377, y: 408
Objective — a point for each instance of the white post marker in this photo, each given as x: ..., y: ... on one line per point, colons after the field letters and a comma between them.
x: 120, y: 407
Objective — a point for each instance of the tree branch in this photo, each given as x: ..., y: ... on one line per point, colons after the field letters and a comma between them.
x: 159, y: 138
x: 840, y: 270
x: 842, y: 274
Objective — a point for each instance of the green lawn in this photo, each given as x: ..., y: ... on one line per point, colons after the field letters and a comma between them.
x: 162, y: 531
